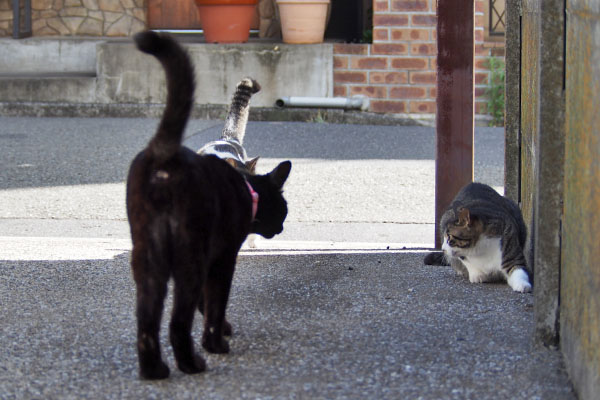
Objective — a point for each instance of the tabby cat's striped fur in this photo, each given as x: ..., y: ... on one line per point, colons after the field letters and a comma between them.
x: 483, y: 237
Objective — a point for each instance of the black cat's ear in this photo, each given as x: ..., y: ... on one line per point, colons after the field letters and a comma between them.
x: 251, y: 165
x: 231, y: 162
x: 280, y: 173
x: 464, y: 217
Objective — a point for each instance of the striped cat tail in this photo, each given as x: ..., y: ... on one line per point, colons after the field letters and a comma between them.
x: 180, y: 91
x: 235, y: 124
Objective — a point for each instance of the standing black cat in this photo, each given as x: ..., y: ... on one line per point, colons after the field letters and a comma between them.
x: 189, y: 215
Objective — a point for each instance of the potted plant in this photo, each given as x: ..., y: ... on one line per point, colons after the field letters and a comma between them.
x: 303, y: 21
x: 226, y: 21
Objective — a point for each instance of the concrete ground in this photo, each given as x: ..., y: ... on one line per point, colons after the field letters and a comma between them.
x: 324, y: 311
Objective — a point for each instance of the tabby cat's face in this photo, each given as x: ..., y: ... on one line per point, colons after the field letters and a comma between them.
x: 461, y: 232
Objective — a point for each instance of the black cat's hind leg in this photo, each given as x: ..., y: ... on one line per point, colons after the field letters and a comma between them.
x: 180, y: 328
x: 227, y: 328
x: 216, y: 294
x: 150, y: 292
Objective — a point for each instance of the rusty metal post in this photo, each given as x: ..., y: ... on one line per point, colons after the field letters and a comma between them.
x: 454, y: 144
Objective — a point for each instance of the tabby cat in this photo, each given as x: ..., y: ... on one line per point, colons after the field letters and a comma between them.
x: 230, y: 146
x: 189, y: 215
x: 483, y: 237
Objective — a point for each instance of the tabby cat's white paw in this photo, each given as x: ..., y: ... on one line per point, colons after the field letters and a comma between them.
x: 519, y: 282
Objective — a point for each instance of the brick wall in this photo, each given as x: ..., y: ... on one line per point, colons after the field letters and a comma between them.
x: 398, y: 70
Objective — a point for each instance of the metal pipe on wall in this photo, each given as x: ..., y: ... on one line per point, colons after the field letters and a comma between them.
x: 361, y: 103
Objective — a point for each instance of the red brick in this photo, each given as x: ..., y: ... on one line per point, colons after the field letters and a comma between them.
x: 389, y: 20
x: 410, y: 34
x: 340, y: 91
x: 429, y: 78
x: 389, y: 48
x: 479, y: 37
x: 480, y: 91
x: 388, y: 77
x: 410, y: 63
x: 368, y: 63
x: 407, y: 92
x: 433, y: 63
x: 423, y: 107
x: 409, y: 5
x: 379, y: 6
x: 340, y: 62
x: 433, y: 92
x: 350, y: 48
x: 349, y: 77
x: 497, y: 52
x: 423, y: 49
x: 480, y: 107
x: 482, y: 64
x: 424, y: 20
x: 387, y: 106
x: 480, y: 20
x: 481, y: 50
x: 481, y: 78
x: 381, y: 34
x: 479, y: 6
x: 378, y: 92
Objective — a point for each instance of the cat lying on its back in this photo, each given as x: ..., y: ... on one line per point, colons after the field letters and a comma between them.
x: 189, y: 215
x: 483, y: 236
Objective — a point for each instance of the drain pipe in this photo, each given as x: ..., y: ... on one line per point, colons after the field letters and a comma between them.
x: 361, y: 103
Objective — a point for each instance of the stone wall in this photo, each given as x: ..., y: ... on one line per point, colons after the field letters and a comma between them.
x: 398, y: 70
x: 79, y: 17
x: 6, y: 17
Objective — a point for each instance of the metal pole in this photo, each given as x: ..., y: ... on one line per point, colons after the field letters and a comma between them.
x: 18, y: 31
x: 454, y: 144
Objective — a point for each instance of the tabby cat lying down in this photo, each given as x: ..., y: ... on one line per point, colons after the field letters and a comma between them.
x: 483, y: 236
x: 189, y: 215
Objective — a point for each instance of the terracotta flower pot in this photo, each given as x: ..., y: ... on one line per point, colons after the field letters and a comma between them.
x: 226, y: 21
x: 303, y: 21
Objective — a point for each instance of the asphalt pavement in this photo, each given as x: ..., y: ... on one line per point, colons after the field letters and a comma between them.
x: 340, y: 306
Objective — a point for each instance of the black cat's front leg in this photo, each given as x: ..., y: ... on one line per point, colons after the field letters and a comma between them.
x: 216, y: 293
x: 150, y: 300
x: 180, y: 328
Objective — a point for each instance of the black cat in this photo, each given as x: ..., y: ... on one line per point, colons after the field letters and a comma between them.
x: 189, y: 215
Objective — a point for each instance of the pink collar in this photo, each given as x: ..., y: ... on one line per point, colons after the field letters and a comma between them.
x: 254, y: 200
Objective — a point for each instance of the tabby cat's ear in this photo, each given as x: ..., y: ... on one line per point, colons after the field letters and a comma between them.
x: 251, y: 165
x: 280, y: 173
x: 464, y: 218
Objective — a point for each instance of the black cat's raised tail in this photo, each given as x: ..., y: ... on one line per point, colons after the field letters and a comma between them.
x: 180, y: 91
